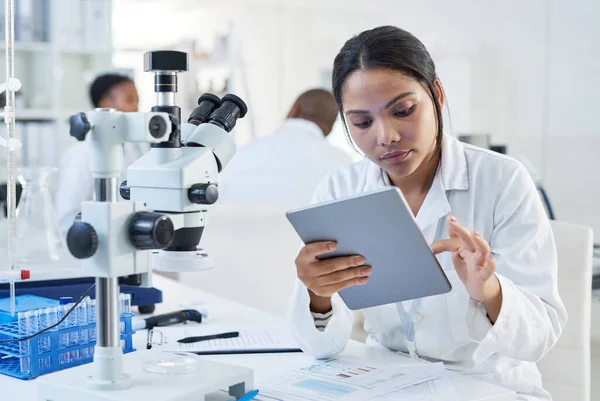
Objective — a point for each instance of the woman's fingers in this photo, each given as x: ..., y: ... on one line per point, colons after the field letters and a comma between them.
x: 489, y: 266
x: 455, y: 229
x: 446, y: 245
x: 311, y: 251
x: 337, y: 287
x: 459, y: 265
x: 482, y: 248
x: 343, y: 275
x: 341, y: 263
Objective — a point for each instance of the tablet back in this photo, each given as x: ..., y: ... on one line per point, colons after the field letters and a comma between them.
x: 379, y: 226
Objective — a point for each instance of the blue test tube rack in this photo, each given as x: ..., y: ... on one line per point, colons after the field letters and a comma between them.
x: 67, y: 345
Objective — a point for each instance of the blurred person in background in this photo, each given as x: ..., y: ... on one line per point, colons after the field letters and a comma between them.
x: 285, y: 167
x: 76, y: 183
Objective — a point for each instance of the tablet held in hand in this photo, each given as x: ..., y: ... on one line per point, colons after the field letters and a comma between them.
x: 379, y: 226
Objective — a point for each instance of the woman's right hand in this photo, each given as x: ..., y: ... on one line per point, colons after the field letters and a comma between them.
x: 324, y: 278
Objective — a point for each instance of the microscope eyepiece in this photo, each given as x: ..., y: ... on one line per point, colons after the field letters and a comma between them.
x: 207, y: 103
x: 232, y: 108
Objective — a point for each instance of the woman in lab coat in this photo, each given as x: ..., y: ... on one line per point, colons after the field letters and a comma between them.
x: 76, y: 183
x: 479, y: 210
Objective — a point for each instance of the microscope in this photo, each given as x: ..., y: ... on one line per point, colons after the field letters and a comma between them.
x: 169, y: 191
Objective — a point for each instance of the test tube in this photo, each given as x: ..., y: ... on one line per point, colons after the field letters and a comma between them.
x: 74, y: 356
x: 63, y: 338
x: 127, y: 303
x: 22, y: 319
x: 43, y: 339
x: 121, y: 311
x: 25, y: 365
x: 45, y: 363
x: 83, y: 321
x: 121, y: 304
x: 23, y: 329
x: 51, y: 316
x: 41, y: 319
x: 92, y: 318
x: 60, y: 313
x: 73, y: 334
x: 33, y: 322
x: 64, y: 357
x: 82, y: 317
x: 92, y: 311
x: 72, y: 319
x: 84, y: 353
x: 25, y: 346
x: 50, y: 321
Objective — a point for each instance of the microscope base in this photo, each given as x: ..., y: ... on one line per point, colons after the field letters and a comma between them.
x: 205, y: 384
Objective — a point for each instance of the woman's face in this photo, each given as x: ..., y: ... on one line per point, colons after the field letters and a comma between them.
x: 391, y: 118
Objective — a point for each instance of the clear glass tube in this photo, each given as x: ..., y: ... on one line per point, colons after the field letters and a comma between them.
x: 9, y: 119
x: 23, y: 319
x: 52, y: 313
x: 83, y: 321
x: 92, y: 319
x: 127, y: 303
x: 63, y: 338
x: 73, y: 322
x: 44, y: 319
x: 29, y: 321
x: 33, y: 322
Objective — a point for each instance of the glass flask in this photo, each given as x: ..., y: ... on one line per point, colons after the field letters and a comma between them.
x: 38, y: 234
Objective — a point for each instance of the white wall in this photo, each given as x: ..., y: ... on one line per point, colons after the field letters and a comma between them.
x: 525, y: 72
x: 572, y: 141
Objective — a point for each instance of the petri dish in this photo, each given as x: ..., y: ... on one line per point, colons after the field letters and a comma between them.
x: 172, y: 364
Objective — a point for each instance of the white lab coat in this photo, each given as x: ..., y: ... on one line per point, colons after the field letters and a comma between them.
x: 491, y: 193
x: 76, y: 184
x: 283, y: 168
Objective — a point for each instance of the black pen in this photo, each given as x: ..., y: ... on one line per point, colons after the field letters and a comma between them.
x: 188, y: 340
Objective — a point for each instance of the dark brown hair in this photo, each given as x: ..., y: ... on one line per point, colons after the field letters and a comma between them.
x: 392, y: 48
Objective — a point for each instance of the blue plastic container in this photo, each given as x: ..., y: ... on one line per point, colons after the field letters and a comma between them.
x: 29, y: 367
x: 69, y: 344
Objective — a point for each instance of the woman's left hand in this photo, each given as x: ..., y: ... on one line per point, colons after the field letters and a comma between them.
x: 475, y: 265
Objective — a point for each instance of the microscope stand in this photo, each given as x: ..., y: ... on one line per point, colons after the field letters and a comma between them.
x: 212, y: 377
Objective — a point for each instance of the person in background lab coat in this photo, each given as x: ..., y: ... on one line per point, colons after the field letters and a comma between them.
x: 479, y: 211
x: 76, y: 183
x: 285, y: 167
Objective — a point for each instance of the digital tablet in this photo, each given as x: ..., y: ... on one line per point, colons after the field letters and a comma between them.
x: 380, y: 226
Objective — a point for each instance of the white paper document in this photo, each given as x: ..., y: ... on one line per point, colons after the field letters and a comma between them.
x: 433, y: 390
x: 353, y: 379
x: 263, y: 338
x: 439, y: 389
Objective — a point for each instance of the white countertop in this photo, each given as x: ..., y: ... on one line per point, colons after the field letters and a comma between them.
x: 177, y: 296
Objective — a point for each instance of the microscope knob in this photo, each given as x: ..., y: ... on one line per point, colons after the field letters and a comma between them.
x: 150, y: 230
x: 203, y: 194
x: 80, y: 126
x: 82, y: 240
x: 125, y: 190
